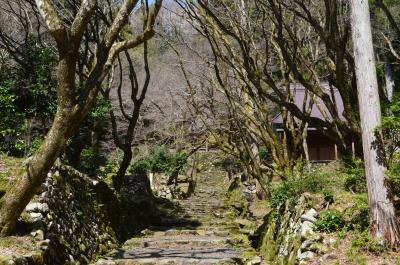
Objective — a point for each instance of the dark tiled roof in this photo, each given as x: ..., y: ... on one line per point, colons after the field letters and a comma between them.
x: 299, y: 94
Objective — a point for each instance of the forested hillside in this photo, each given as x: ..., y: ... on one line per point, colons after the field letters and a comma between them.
x: 199, y: 132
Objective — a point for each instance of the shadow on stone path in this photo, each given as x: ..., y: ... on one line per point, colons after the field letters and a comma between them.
x: 198, y: 231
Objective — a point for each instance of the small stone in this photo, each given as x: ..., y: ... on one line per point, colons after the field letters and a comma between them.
x: 330, y: 242
x: 243, y: 222
x: 38, y: 234
x: 319, y: 248
x: 37, y: 207
x: 36, y: 215
x: 82, y: 247
x: 308, y: 218
x: 44, y: 244
x: 255, y: 261
x: 105, y: 262
x: 306, y: 244
x: 312, y: 212
x: 310, y: 215
x: 305, y: 256
x: 326, y: 257
x: 307, y: 228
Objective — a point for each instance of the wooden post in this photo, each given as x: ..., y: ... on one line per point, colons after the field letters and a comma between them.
x: 336, y: 152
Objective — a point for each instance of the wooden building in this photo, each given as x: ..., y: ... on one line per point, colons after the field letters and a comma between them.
x: 320, y: 147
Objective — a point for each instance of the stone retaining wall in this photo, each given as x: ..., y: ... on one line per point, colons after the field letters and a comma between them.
x: 288, y: 234
x: 81, y: 218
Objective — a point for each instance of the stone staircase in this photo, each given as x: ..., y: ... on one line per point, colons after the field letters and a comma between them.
x: 199, y: 231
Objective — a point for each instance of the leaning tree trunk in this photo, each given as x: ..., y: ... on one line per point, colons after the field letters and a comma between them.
x: 123, y: 167
x: 382, y: 214
x: 127, y: 147
x: 37, y: 167
x: 72, y: 105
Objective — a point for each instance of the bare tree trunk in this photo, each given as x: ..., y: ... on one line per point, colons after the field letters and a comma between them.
x: 382, y: 214
x: 126, y: 147
x: 123, y: 167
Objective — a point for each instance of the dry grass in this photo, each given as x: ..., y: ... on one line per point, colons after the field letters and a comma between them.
x: 13, y: 245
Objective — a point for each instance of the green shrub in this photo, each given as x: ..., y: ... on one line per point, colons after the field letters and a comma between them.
x: 90, y: 161
x: 362, y: 241
x: 355, y: 176
x: 315, y: 181
x: 110, y: 169
x: 35, y: 144
x: 27, y: 92
x: 141, y: 166
x: 287, y: 190
x: 390, y: 129
x: 312, y: 181
x: 359, y: 213
x: 177, y: 162
x: 394, y: 174
x: 264, y: 154
x: 160, y: 160
x: 328, y: 196
x: 330, y: 220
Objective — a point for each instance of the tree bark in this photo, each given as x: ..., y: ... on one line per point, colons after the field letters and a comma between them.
x: 123, y: 167
x: 37, y: 167
x: 382, y: 215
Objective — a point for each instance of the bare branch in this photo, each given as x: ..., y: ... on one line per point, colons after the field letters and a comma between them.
x: 53, y: 22
x: 82, y: 19
x: 119, y: 22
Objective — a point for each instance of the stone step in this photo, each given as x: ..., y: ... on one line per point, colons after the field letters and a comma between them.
x: 197, y: 232
x: 196, y: 255
x: 186, y: 241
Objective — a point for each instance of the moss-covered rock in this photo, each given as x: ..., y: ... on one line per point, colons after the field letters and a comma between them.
x: 280, y: 235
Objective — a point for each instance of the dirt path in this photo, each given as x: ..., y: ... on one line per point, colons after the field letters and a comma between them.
x: 201, y: 232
